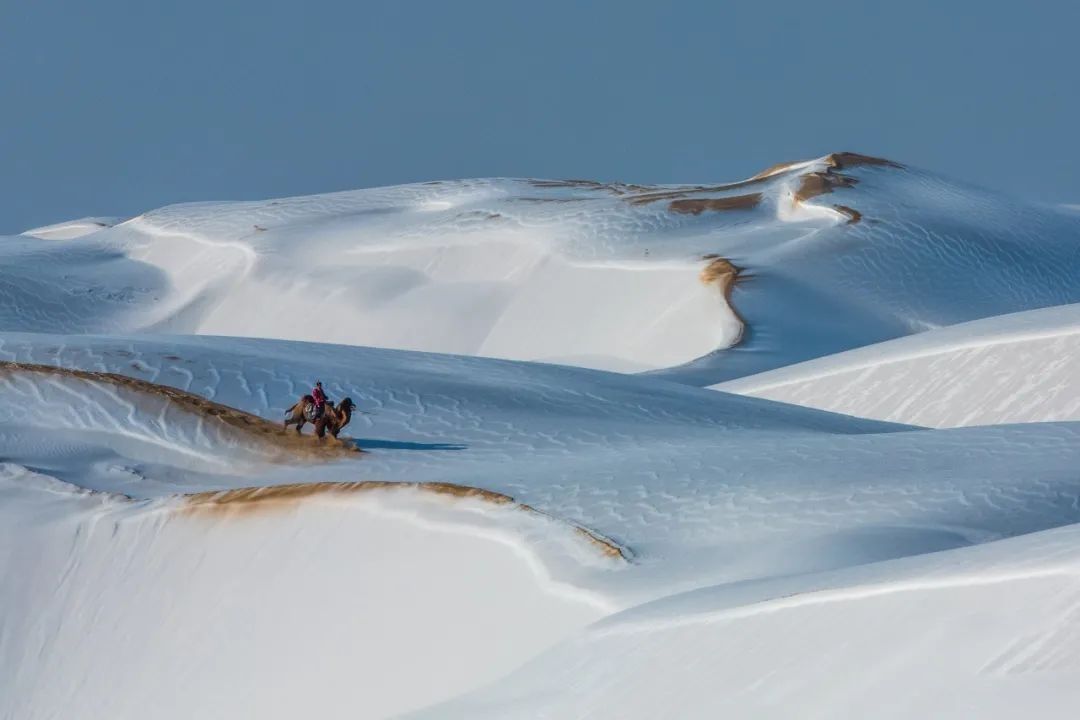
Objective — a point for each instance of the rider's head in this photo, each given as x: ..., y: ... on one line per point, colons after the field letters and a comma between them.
x: 318, y: 383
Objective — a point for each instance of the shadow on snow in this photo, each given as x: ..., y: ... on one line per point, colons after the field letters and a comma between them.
x: 370, y: 444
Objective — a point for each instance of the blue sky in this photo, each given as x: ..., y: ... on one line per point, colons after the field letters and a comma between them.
x: 114, y: 108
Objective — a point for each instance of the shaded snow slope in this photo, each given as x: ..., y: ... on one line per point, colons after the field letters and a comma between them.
x: 1023, y: 367
x: 814, y: 257
x: 987, y: 632
x: 76, y: 286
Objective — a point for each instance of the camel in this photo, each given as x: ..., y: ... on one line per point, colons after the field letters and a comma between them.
x: 333, y: 418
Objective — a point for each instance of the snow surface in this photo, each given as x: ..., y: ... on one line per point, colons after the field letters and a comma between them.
x: 504, y: 268
x: 987, y: 632
x: 630, y: 545
x: 73, y: 228
x: 1023, y: 367
x: 128, y: 609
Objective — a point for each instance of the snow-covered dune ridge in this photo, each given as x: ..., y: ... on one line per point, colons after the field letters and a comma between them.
x: 703, y: 487
x: 275, y: 496
x: 146, y: 418
x: 1023, y: 367
x: 73, y: 228
x: 373, y: 602
x: 815, y: 257
x: 987, y: 632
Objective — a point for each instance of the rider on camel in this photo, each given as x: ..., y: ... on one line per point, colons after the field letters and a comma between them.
x: 319, y: 397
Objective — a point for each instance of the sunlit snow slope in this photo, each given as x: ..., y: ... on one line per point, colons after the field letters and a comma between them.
x: 989, y: 632
x: 845, y: 485
x: 801, y: 261
x: 1023, y: 367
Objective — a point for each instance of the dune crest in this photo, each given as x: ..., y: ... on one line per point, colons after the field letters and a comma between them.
x: 270, y: 497
x: 280, y: 445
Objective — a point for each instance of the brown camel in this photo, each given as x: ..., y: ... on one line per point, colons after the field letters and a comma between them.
x: 332, y: 419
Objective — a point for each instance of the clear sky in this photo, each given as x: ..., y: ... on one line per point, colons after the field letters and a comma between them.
x: 114, y: 107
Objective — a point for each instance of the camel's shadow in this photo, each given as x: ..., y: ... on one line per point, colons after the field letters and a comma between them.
x: 371, y: 444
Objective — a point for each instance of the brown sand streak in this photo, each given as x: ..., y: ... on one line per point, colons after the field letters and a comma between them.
x: 814, y: 184
x: 696, y: 206
x: 725, y: 274
x: 843, y: 160
x: 276, y: 497
x: 281, y: 446
x: 853, y: 215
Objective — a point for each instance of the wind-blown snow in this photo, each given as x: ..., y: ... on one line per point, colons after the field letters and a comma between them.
x: 522, y: 539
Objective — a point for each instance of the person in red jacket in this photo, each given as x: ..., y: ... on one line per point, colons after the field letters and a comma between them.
x: 319, y: 397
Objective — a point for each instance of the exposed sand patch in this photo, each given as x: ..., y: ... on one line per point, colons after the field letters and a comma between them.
x: 720, y: 270
x: 843, y: 160
x: 725, y: 274
x: 280, y: 445
x: 817, y: 183
x: 682, y: 200
x: 853, y: 215
x: 683, y: 192
x: 696, y: 206
x: 276, y: 497
x: 814, y: 184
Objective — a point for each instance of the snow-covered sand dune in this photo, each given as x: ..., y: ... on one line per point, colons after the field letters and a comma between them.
x: 524, y: 539
x: 743, y: 487
x: 824, y: 256
x: 145, y: 419
x: 333, y: 605
x: 1023, y: 367
x: 701, y: 489
x: 987, y: 632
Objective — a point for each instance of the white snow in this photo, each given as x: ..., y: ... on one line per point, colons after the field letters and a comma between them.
x: 1023, y: 367
x: 128, y: 608
x: 630, y: 544
x: 596, y: 275
x: 73, y: 228
x: 974, y: 633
